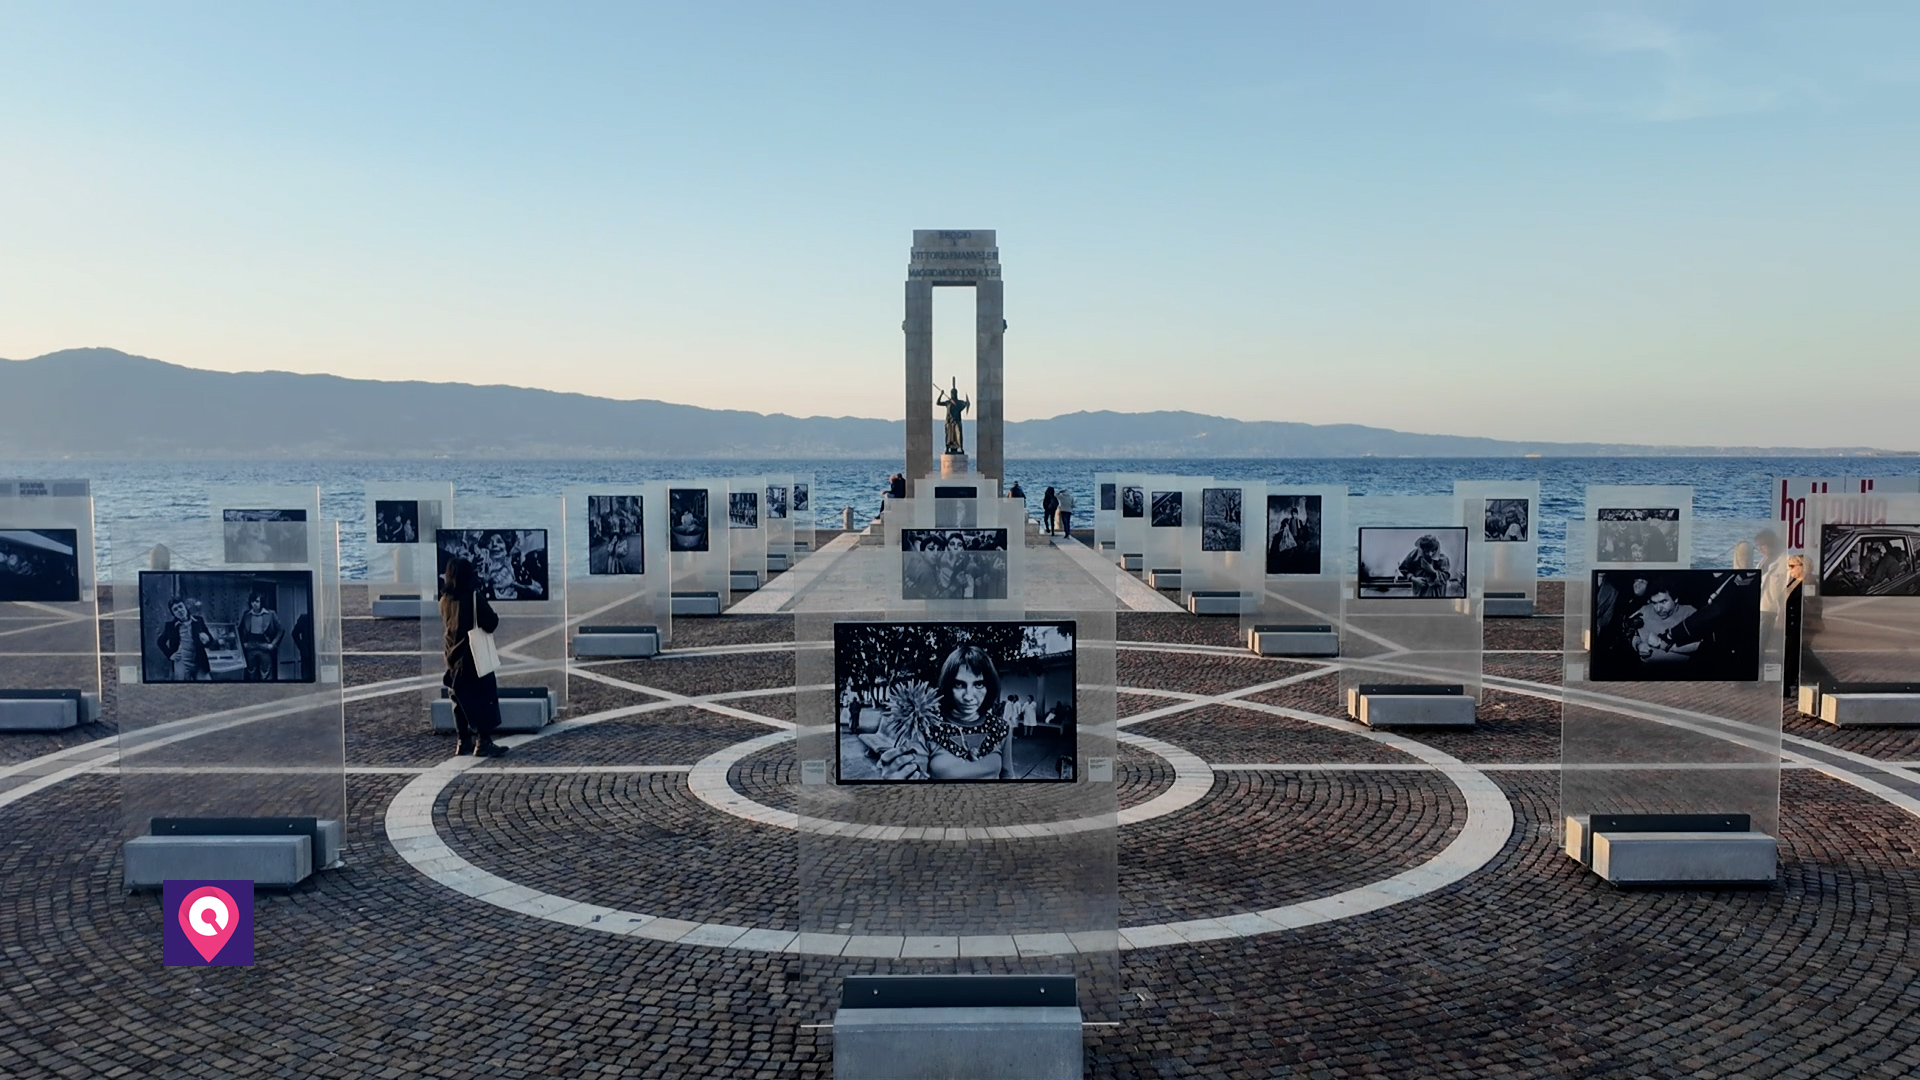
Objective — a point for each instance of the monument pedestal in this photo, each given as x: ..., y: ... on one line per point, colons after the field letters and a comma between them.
x: 952, y: 466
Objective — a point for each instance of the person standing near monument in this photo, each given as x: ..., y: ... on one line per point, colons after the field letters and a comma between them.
x: 1049, y: 504
x: 1066, y: 513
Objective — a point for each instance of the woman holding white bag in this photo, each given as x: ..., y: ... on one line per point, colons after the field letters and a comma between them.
x: 475, y: 692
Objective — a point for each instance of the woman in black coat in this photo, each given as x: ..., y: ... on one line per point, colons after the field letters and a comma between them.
x: 476, y: 697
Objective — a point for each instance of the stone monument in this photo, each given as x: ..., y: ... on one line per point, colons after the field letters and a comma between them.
x: 959, y: 257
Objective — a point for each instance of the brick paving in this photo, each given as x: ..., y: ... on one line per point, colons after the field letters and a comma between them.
x: 1527, y: 967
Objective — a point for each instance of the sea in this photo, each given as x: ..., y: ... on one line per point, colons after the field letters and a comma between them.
x: 166, y: 501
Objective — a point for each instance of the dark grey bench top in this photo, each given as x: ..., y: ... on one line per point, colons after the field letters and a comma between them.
x: 958, y: 991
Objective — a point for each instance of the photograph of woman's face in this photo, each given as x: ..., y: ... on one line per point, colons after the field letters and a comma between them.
x: 969, y: 690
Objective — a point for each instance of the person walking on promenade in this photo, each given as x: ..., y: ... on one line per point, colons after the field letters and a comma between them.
x: 1049, y: 503
x: 476, y: 697
x: 1066, y: 513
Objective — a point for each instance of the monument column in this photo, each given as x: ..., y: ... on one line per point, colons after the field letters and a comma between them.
x: 919, y: 331
x: 989, y: 321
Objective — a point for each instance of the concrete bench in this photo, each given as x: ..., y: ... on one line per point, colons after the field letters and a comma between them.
x: 47, y: 710
x: 1300, y: 639
x: 697, y: 603
x: 152, y: 861
x: 402, y: 606
x: 1508, y: 605
x: 776, y: 562
x: 908, y: 1027
x: 1164, y: 578
x: 1410, y: 705
x: 1843, y: 709
x: 1132, y: 562
x: 1580, y: 828
x: 1686, y: 858
x: 616, y: 642
x: 743, y: 580
x: 1809, y: 699
x: 522, y: 709
x: 1213, y: 602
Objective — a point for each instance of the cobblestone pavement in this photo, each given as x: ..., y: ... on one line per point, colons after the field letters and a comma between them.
x: 1525, y: 966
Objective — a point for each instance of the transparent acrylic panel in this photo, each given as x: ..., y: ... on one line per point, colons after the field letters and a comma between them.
x: 1130, y: 528
x: 1792, y: 497
x: 945, y: 877
x: 777, y: 515
x: 801, y: 507
x: 617, y: 563
x: 1303, y: 541
x: 229, y: 697
x: 518, y: 546
x: 1503, y: 537
x: 944, y: 568
x: 1860, y: 619
x: 746, y: 522
x: 1671, y: 694
x: 698, y: 536
x: 1106, y: 510
x: 49, y: 627
x: 1171, y: 500
x: 1221, y: 542
x: 264, y: 525
x: 1640, y: 526
x: 401, y: 521
x: 1412, y: 614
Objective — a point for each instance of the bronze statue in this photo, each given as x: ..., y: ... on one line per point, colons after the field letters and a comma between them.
x: 956, y: 406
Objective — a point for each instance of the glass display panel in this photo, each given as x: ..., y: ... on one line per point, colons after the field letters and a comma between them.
x: 1222, y: 545
x: 747, y: 525
x: 1413, y: 609
x: 49, y: 633
x: 617, y: 560
x: 1298, y: 581
x: 697, y: 541
x: 804, y: 524
x: 1633, y: 526
x: 511, y: 543
x: 265, y: 525
x: 1860, y: 617
x: 1503, y: 537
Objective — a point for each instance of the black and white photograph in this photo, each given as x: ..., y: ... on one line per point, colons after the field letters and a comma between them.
x: 615, y: 545
x: 1133, y: 502
x: 955, y: 702
x: 1413, y: 563
x: 743, y: 510
x: 801, y: 498
x: 39, y: 566
x: 953, y: 564
x: 1166, y: 510
x: 1675, y: 626
x: 687, y: 514
x: 1507, y: 521
x: 264, y: 536
x: 1293, y: 534
x: 1109, y: 496
x: 511, y: 563
x: 226, y: 626
x: 396, y: 521
x: 1220, y: 528
x: 1637, y: 534
x: 776, y: 503
x: 1866, y: 560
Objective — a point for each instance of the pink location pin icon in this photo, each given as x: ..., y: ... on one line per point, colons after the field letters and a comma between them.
x: 209, y: 916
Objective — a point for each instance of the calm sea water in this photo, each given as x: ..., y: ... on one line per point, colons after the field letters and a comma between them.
x: 166, y: 501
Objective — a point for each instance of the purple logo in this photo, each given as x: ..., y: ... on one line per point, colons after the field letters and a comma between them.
x: 207, y: 923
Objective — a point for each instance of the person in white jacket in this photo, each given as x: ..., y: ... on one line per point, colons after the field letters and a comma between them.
x: 1065, y: 513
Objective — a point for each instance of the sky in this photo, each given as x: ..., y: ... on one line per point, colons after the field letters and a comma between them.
x: 1673, y: 223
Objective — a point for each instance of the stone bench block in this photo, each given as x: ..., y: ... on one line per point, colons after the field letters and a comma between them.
x: 403, y: 606
x: 1213, y: 603
x: 1508, y: 605
x: 520, y: 711
x: 47, y: 710
x: 1685, y: 858
x: 776, y: 562
x: 743, y: 580
x: 616, y: 642
x: 283, y: 861
x: 988, y: 1042
x: 1439, y: 708
x: 1809, y: 699
x: 1132, y: 562
x: 1164, y: 578
x: 696, y: 603
x: 1307, y: 640
x: 1870, y: 710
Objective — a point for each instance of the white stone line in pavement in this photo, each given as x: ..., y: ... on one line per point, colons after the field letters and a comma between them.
x: 710, y: 703
x: 1189, y: 702
x: 773, y: 597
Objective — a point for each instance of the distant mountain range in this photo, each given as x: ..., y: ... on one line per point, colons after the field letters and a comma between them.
x: 104, y: 403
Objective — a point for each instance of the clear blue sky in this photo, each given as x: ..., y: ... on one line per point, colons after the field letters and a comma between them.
x: 1673, y: 223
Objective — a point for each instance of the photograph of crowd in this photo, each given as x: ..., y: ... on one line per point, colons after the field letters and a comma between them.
x: 396, y: 521
x: 226, y: 626
x: 776, y: 503
x: 953, y: 564
x: 687, y: 513
x: 1506, y: 520
x: 1133, y: 502
x: 1638, y: 535
x: 264, y: 536
x: 955, y: 702
x: 511, y: 563
x: 1869, y: 560
x: 1166, y: 509
x: 1675, y: 626
x: 1293, y: 534
x: 1425, y: 564
x: 614, y: 541
x: 800, y: 498
x: 1109, y: 496
x: 39, y: 566
x: 1220, y: 519
x: 743, y: 510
